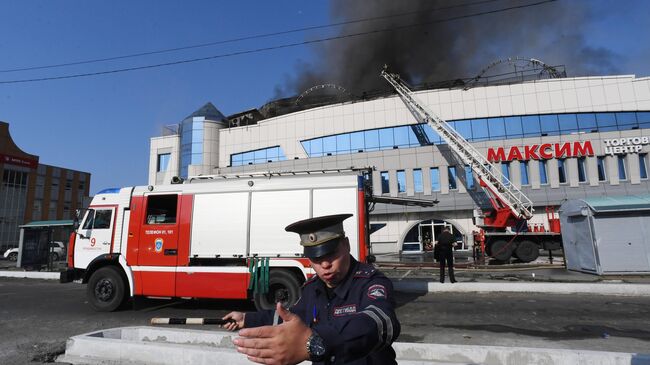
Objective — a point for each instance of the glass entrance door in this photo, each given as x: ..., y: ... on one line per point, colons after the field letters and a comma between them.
x: 439, y: 225
x: 426, y: 236
x: 412, y: 243
x: 426, y: 231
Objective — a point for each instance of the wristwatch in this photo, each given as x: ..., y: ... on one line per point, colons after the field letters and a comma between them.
x: 316, y: 347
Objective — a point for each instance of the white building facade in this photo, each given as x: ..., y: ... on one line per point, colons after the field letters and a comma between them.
x: 555, y: 139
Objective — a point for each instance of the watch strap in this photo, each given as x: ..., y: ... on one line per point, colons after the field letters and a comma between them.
x: 314, y: 338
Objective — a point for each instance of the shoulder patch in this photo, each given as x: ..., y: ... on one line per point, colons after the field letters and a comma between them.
x: 377, y: 291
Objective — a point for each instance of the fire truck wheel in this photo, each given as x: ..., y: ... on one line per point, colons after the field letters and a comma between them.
x: 283, y: 287
x: 105, y: 290
x: 501, y: 249
x: 527, y: 251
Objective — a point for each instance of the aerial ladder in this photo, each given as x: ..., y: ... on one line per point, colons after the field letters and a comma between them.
x: 511, y: 208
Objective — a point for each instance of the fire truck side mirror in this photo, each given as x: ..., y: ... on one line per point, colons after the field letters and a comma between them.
x: 78, y: 215
x: 76, y: 224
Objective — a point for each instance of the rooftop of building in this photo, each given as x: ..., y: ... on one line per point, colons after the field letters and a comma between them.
x: 524, y: 70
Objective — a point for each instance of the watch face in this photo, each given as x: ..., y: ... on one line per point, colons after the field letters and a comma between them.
x: 316, y: 346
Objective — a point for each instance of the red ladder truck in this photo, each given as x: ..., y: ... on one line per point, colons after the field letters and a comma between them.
x: 503, y: 229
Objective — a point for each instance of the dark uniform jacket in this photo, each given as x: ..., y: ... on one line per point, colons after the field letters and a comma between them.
x: 357, y: 323
x: 446, y: 241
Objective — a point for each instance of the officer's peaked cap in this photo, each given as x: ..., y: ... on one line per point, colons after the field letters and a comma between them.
x: 319, y: 235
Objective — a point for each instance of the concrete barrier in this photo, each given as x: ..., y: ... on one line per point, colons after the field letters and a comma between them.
x: 170, y: 346
x: 499, y: 355
x: 625, y: 289
x: 152, y: 346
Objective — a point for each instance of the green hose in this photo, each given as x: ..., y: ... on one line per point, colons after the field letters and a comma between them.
x: 252, y: 270
x: 262, y: 276
x: 265, y: 286
x: 250, y: 274
x: 259, y: 276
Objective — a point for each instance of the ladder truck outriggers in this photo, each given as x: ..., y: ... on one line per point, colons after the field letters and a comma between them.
x: 503, y: 227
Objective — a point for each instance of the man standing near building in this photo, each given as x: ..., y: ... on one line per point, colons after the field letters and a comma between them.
x: 345, y: 315
x: 446, y: 243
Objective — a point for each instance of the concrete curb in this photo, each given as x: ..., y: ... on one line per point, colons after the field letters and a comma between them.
x: 639, y: 290
x: 497, y: 355
x: 167, y: 346
x: 30, y: 274
x: 420, y: 286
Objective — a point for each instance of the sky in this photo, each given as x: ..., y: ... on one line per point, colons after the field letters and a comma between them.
x: 102, y: 124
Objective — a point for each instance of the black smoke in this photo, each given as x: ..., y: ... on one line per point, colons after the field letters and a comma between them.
x: 427, y: 45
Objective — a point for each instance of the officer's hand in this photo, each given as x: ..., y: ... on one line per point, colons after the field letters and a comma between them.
x: 282, y: 344
x: 238, y: 321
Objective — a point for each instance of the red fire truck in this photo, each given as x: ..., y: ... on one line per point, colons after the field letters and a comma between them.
x: 503, y: 227
x: 212, y: 237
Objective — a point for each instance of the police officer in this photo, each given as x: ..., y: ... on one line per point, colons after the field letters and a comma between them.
x: 345, y: 315
x: 446, y: 243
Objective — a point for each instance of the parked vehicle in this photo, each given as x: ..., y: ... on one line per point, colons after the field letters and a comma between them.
x: 56, y: 250
x: 211, y: 237
x: 503, y: 228
x: 11, y: 254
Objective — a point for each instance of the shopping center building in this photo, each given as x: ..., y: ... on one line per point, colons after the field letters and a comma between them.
x: 555, y: 138
x: 32, y: 191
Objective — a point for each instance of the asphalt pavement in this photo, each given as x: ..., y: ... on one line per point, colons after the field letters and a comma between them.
x: 410, y: 274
